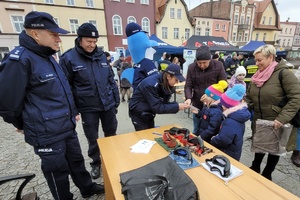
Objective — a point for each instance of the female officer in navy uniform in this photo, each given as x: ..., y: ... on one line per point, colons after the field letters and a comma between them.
x: 152, y: 97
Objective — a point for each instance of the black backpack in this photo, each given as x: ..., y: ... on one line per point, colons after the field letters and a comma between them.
x: 160, y: 180
x: 296, y: 119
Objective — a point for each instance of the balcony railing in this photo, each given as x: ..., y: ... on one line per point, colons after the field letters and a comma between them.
x: 243, y: 27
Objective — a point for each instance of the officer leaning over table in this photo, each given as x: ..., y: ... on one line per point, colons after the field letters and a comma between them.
x: 37, y: 99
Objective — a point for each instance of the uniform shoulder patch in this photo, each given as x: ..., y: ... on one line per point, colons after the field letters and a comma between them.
x: 16, y: 53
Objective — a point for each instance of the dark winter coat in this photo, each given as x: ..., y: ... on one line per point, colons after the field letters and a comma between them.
x: 93, y: 84
x: 210, y: 121
x: 230, y: 137
x: 35, y: 94
x: 264, y: 100
x: 150, y: 97
x: 143, y: 69
x: 197, y: 80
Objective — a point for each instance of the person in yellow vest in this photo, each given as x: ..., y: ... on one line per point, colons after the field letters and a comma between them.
x: 162, y: 65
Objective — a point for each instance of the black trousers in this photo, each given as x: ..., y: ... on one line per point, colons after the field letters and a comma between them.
x: 142, y: 121
x: 58, y: 161
x: 90, y: 124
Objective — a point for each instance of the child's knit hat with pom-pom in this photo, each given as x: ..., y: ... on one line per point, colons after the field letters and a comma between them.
x: 233, y: 96
x: 216, y: 90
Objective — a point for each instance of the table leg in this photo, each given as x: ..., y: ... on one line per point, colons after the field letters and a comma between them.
x: 107, y: 184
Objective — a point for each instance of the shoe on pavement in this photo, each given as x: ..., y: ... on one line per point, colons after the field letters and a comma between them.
x: 296, y: 158
x: 97, y: 189
x: 95, y: 172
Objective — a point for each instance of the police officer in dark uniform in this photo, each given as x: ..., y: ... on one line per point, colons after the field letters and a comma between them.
x: 152, y: 96
x: 41, y: 104
x: 95, y: 91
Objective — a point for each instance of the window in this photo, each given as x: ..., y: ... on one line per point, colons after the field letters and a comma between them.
x: 233, y: 37
x: 237, y: 9
x: 270, y: 20
x: 283, y: 43
x: 223, y: 27
x: 247, y: 20
x: 256, y: 36
x: 217, y: 27
x: 131, y: 19
x: 187, y: 33
x: 117, y: 25
x: 288, y: 43
x: 199, y: 22
x: 71, y: 2
x: 164, y: 32
x: 246, y: 37
x: 285, y: 31
x: 172, y: 14
x: 90, y: 3
x: 263, y: 20
x: 49, y: 1
x: 94, y: 22
x: 129, y: 1
x: 145, y: 2
x: 207, y: 30
x: 236, y: 19
x: 275, y: 35
x: 198, y: 31
x: 291, y: 30
x: 242, y: 20
x: 264, y: 38
x: 207, y: 23
x: 240, y: 37
x: 74, y: 25
x: 18, y: 22
x: 203, y: 22
x: 176, y: 33
x: 178, y: 13
x: 146, y: 25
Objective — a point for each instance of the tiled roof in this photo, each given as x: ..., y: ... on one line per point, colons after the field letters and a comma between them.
x: 261, y: 6
x: 161, y: 6
x: 220, y: 10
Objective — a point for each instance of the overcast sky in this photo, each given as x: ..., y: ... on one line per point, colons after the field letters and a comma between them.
x: 286, y: 8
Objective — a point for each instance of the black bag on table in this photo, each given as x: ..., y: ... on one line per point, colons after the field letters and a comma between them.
x: 160, y: 180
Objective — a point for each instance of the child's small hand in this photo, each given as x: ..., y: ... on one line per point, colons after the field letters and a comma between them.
x: 203, y: 98
x: 195, y: 111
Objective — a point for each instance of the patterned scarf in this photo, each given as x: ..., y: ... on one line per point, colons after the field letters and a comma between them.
x: 260, y: 77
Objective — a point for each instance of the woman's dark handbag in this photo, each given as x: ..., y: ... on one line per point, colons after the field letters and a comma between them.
x: 296, y: 119
x: 160, y: 180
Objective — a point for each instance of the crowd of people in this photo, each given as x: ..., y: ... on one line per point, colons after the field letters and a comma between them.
x: 50, y: 97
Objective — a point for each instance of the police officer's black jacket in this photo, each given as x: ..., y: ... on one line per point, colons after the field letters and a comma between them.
x: 35, y: 94
x: 151, y: 97
x: 91, y: 79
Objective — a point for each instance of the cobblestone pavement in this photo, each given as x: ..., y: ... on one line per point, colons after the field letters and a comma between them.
x: 17, y: 157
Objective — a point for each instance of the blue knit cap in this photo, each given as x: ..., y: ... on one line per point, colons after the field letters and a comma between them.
x: 233, y: 96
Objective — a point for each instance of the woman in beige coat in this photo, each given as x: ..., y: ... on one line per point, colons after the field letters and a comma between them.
x: 264, y: 94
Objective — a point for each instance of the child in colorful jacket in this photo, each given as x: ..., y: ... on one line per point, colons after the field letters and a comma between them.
x: 230, y: 137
